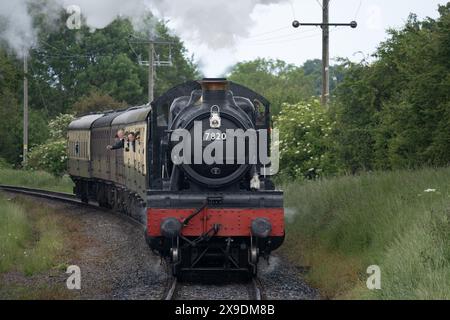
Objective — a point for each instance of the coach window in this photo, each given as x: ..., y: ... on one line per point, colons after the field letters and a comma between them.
x: 77, y: 148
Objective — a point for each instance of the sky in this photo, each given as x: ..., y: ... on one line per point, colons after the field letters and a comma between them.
x: 220, y: 33
x: 272, y: 36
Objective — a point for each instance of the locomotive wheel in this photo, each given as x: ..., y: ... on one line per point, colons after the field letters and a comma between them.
x: 253, y: 253
x: 175, y: 257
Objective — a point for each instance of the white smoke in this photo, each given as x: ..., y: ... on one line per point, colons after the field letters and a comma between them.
x: 100, y: 13
x: 16, y: 25
x: 216, y: 23
x: 274, y: 263
x: 16, y: 22
x: 289, y: 214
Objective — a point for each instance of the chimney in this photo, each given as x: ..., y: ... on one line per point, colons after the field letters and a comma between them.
x: 214, y: 89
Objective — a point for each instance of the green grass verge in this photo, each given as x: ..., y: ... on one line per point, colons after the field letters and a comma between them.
x: 31, y: 241
x: 36, y: 179
x: 341, y: 226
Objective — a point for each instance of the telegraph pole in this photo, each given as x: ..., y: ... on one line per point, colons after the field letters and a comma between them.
x: 325, y: 25
x: 151, y: 71
x: 153, y: 59
x: 25, y: 110
x: 325, y: 53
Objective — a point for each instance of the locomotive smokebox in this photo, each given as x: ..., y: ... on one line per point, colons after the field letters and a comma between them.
x: 214, y: 89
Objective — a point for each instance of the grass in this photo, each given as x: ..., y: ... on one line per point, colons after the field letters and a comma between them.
x: 35, y: 179
x: 31, y: 240
x: 35, y: 249
x: 341, y: 226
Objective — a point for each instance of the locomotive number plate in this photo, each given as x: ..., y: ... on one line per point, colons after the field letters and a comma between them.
x: 215, y: 135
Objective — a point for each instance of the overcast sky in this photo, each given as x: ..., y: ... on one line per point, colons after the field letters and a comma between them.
x: 273, y: 37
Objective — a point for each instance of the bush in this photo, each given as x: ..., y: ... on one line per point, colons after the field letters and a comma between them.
x: 4, y: 164
x: 50, y: 156
x: 305, y: 141
x: 58, y: 126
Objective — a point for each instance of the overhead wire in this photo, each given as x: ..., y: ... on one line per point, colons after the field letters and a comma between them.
x: 284, y: 36
x: 281, y: 41
x: 357, y: 10
x: 38, y: 86
x: 291, y: 40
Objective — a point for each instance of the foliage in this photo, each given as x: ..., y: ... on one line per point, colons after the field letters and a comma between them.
x: 398, y: 220
x: 305, y: 142
x: 79, y: 70
x: 96, y: 101
x: 4, y: 164
x: 276, y: 80
x: 394, y: 113
x: 281, y: 82
x: 73, y: 63
x: 59, y: 125
x: 313, y: 72
x: 31, y: 239
x: 50, y: 157
x: 11, y: 113
x: 9, y: 109
x: 36, y: 179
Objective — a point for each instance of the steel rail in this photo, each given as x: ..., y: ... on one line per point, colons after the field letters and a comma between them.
x: 64, y: 197
x: 256, y: 292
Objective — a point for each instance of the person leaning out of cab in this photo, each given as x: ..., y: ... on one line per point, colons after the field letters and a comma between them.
x: 120, y: 141
x: 131, y: 144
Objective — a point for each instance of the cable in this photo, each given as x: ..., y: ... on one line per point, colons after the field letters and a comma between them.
x: 296, y: 34
x: 88, y: 54
x: 290, y: 40
x: 292, y: 9
x: 132, y: 49
x: 283, y: 41
x: 357, y: 11
x: 38, y: 86
x: 269, y: 32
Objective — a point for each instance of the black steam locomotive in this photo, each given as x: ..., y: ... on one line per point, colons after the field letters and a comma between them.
x: 205, y: 199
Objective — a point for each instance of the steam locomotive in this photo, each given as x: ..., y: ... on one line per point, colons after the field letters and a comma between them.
x: 205, y: 200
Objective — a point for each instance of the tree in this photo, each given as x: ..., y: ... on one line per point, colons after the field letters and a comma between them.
x: 96, y: 101
x: 394, y: 113
x: 81, y: 69
x: 11, y: 113
x: 276, y: 80
x: 70, y: 64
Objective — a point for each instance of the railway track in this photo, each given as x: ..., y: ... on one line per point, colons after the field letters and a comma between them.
x: 173, y: 289
x: 254, y: 288
x: 61, y: 196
